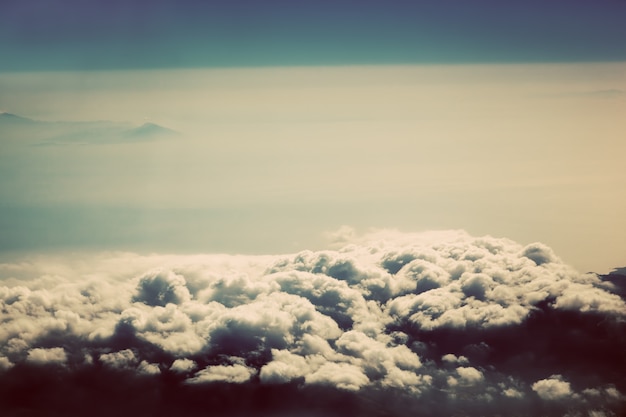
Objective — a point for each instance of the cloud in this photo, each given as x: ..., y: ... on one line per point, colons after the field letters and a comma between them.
x: 183, y: 365
x: 553, y: 388
x: 340, y: 237
x: 5, y: 363
x: 437, y: 321
x: 512, y: 393
x: 579, y: 297
x: 539, y: 253
x: 610, y: 93
x: 469, y: 375
x: 160, y: 288
x: 341, y: 375
x: 235, y: 373
x: 466, y: 376
x: 123, y: 359
x: 453, y: 359
x: 284, y: 367
x: 42, y: 356
x: 148, y: 368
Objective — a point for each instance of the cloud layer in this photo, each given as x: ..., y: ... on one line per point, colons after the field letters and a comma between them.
x: 434, y: 323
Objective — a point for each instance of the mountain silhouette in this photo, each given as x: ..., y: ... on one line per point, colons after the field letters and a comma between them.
x: 10, y: 118
x: 147, y: 131
x: 51, y: 133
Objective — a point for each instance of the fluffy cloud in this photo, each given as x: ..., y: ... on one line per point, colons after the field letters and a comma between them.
x: 341, y: 375
x: 41, y: 356
x: 440, y: 319
x: 284, y: 367
x: 235, y: 373
x: 553, y: 388
x: 469, y: 375
x: 123, y: 359
x: 148, y: 368
x: 453, y: 359
x: 183, y: 365
x: 161, y: 288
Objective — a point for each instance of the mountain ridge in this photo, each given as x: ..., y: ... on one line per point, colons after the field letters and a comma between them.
x: 14, y: 118
x: 48, y: 133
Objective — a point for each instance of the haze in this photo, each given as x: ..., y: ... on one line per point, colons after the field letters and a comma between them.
x: 269, y: 158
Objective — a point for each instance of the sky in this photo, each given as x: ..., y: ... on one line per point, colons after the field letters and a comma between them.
x: 88, y: 35
x: 268, y: 159
x: 312, y: 208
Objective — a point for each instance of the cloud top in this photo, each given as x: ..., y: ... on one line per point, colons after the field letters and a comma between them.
x: 477, y: 320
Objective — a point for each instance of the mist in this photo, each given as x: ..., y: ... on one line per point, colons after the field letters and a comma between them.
x: 527, y: 151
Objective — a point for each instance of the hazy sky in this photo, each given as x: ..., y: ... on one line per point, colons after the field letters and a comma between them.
x: 499, y: 118
x: 270, y: 158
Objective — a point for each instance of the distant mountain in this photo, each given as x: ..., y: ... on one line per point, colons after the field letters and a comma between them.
x: 44, y: 133
x: 147, y: 131
x: 9, y: 118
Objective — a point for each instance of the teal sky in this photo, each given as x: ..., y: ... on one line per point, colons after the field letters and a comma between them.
x: 87, y: 35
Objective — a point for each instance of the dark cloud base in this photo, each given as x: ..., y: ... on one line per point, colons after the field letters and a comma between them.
x: 28, y: 390
x: 584, y: 348
x: 97, y: 391
x: 391, y: 325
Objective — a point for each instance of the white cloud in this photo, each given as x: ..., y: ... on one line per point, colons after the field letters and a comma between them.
x: 341, y: 375
x: 148, y: 368
x: 581, y: 297
x: 371, y: 315
x: 5, y: 363
x: 235, y: 373
x: 553, y: 388
x: 123, y: 359
x: 52, y: 355
x: 183, y: 365
x: 408, y: 380
x: 539, y: 253
x: 512, y: 393
x: 284, y: 367
x: 453, y: 359
x: 337, y: 239
x: 469, y: 375
x: 162, y: 287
